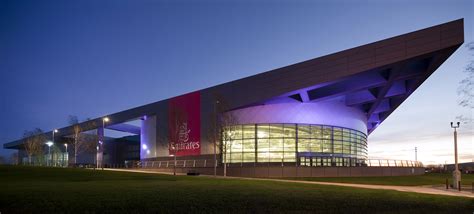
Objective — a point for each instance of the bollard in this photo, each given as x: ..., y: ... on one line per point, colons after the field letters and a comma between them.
x: 459, y: 185
x: 447, y: 184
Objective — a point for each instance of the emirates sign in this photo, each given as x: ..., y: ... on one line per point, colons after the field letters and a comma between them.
x: 184, y: 124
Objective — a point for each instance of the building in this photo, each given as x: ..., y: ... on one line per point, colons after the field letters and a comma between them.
x: 467, y: 167
x: 313, y: 115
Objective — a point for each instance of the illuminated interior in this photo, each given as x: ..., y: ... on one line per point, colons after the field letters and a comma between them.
x: 304, y: 144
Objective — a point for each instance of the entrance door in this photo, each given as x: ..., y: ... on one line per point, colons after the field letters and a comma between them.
x: 305, y: 161
x: 317, y: 161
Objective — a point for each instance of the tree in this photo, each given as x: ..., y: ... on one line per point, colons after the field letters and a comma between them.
x: 223, y: 130
x: 88, y: 143
x: 81, y: 142
x: 76, y: 131
x: 466, y: 86
x: 213, y: 132
x: 33, y: 143
x: 227, y: 122
x: 14, y: 158
x: 179, y: 125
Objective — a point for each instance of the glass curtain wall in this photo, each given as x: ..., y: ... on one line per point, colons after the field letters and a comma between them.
x: 312, y: 145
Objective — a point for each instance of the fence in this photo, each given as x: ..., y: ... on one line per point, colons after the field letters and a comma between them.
x: 210, y: 163
x: 393, y: 163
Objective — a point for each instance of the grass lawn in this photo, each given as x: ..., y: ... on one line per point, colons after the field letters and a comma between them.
x: 418, y: 180
x: 53, y: 190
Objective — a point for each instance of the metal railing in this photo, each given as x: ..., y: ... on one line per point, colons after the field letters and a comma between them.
x: 210, y: 163
x: 393, y: 163
x: 179, y: 163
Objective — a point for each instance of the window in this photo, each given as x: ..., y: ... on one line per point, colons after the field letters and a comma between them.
x: 304, y: 145
x: 316, y: 145
x: 327, y: 131
x: 337, y: 147
x: 289, y: 145
x: 263, y: 157
x: 248, y: 145
x: 316, y: 131
x: 326, y: 161
x: 236, y: 157
x: 276, y: 131
x: 263, y: 145
x: 282, y: 142
x: 317, y: 161
x: 237, y: 132
x: 236, y: 145
x: 327, y: 146
x: 263, y: 131
x: 337, y: 137
x: 248, y: 131
x: 276, y: 157
x: 289, y: 156
x: 303, y: 131
x: 248, y: 157
x: 276, y: 145
x: 289, y: 131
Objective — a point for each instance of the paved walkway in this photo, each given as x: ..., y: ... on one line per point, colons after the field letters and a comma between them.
x: 416, y: 189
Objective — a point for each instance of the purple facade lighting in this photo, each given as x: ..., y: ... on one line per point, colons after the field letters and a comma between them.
x: 148, y: 137
x: 331, y: 112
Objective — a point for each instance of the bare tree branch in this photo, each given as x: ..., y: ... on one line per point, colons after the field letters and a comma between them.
x: 82, y: 142
x: 222, y: 131
x: 33, y: 143
x: 466, y: 87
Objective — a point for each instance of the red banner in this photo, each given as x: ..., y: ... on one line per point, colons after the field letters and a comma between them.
x: 184, y: 124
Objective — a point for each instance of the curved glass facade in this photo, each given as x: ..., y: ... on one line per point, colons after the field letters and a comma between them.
x: 310, y: 145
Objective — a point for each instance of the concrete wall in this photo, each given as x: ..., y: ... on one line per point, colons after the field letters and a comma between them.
x: 292, y: 171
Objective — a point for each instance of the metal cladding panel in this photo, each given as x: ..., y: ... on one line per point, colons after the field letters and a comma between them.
x: 337, y: 66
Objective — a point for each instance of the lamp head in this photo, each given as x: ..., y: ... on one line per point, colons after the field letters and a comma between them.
x: 106, y: 119
x: 55, y: 131
x: 49, y: 143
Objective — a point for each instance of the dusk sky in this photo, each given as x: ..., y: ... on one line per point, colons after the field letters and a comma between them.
x: 92, y: 58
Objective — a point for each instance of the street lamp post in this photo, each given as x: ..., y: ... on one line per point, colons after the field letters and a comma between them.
x: 52, y: 140
x: 215, y: 137
x: 49, y: 143
x: 456, y: 172
x: 174, y: 155
x: 66, y: 156
x: 416, y: 154
x: 101, y: 143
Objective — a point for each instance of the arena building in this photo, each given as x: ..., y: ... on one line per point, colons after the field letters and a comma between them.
x: 307, y: 119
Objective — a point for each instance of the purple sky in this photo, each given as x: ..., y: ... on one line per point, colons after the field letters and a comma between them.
x: 91, y: 58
